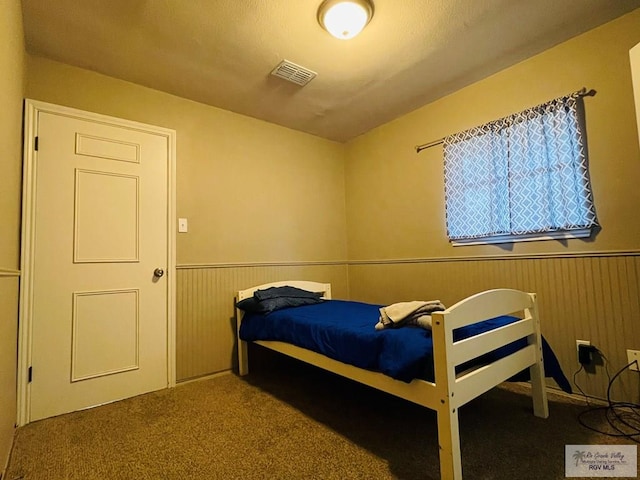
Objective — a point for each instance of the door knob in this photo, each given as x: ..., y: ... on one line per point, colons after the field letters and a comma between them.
x: 158, y: 272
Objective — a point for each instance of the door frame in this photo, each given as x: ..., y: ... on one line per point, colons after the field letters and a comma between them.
x: 31, y: 110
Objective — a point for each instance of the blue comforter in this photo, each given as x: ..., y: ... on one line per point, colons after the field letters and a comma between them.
x: 344, y: 331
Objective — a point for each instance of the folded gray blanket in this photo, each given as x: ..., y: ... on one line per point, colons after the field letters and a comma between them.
x: 416, y: 313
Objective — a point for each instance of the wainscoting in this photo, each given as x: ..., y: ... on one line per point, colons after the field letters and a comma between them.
x: 205, y: 320
x: 593, y: 297
x: 9, y: 299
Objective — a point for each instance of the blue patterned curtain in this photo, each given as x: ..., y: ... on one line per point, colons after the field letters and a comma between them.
x: 523, y: 174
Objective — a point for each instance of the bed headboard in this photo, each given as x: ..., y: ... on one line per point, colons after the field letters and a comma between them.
x: 316, y: 287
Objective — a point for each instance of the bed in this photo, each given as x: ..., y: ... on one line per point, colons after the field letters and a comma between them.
x: 454, y: 378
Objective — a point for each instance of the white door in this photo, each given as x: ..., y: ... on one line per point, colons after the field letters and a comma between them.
x: 99, y: 314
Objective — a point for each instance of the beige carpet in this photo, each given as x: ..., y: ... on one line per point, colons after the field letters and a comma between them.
x: 287, y: 420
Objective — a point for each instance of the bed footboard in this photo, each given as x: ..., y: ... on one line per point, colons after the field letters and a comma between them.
x: 449, y: 354
x: 456, y: 390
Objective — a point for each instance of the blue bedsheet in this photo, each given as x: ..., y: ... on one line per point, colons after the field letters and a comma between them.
x: 344, y: 331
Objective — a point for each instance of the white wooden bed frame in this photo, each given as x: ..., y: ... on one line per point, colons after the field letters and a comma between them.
x: 449, y: 392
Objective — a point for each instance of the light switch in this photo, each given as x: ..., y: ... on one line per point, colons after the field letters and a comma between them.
x: 182, y: 225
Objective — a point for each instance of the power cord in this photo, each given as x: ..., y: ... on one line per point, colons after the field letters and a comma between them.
x: 606, y: 369
x: 622, y: 417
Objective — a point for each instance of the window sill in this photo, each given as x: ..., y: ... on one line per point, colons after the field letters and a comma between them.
x: 532, y: 237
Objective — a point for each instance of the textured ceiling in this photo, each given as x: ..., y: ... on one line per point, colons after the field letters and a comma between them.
x: 221, y: 52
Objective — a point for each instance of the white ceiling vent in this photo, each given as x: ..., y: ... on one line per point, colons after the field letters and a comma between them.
x: 293, y: 73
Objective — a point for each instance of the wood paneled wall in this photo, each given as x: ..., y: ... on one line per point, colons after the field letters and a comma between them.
x: 593, y: 297
x: 205, y: 320
x: 9, y: 298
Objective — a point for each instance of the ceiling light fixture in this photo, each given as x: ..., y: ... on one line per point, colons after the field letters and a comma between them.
x: 345, y: 19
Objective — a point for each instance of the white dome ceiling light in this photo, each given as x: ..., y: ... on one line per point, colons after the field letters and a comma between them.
x: 345, y: 19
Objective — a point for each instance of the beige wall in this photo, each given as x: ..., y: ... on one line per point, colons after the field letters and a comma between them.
x: 395, y: 197
x: 395, y: 203
x: 252, y: 191
x: 11, y: 94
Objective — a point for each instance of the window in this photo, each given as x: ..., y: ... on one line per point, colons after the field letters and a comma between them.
x: 523, y: 177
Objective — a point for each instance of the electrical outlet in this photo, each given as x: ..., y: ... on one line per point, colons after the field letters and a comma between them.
x: 578, y: 343
x: 634, y: 355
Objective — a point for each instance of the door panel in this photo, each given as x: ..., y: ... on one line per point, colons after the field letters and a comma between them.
x: 104, y: 323
x: 116, y: 238
x: 99, y: 316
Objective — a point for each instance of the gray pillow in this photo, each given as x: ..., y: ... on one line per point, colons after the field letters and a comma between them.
x: 277, y: 302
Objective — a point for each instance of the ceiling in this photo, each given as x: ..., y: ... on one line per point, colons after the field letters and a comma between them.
x: 221, y: 52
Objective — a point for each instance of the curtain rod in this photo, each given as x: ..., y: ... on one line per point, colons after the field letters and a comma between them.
x: 424, y: 146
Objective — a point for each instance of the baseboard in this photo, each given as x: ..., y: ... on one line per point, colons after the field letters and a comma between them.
x: 572, y: 396
x: 203, y: 377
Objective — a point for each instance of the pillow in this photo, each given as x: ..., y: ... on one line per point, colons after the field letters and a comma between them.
x: 273, y: 304
x: 286, y: 291
x: 249, y: 305
x: 268, y: 305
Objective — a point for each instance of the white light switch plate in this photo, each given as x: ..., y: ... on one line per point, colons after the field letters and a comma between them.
x: 182, y: 225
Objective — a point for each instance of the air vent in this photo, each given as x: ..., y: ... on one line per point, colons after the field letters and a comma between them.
x: 293, y: 73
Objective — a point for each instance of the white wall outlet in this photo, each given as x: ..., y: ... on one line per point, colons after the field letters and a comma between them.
x: 578, y: 343
x: 183, y: 227
x: 634, y: 355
